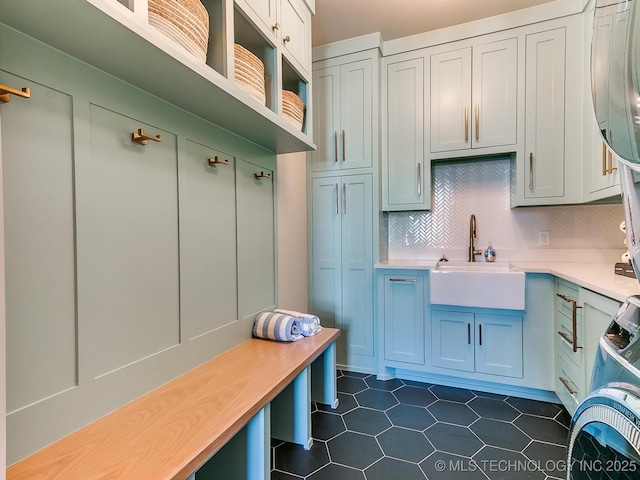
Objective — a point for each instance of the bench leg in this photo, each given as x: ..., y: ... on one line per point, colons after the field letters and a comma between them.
x: 291, y: 411
x: 259, y: 445
x: 245, y: 457
x: 324, y: 386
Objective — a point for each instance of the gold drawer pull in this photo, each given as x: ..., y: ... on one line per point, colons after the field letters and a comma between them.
x: 286, y: 39
x: 574, y: 320
x: 261, y: 175
x: 142, y: 138
x: 5, y: 93
x: 215, y: 161
x: 567, y: 384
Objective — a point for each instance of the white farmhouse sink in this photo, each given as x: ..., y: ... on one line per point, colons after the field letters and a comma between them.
x: 477, y: 284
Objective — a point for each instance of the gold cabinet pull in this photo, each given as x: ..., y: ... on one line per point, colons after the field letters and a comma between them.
x: 604, y: 159
x: 335, y: 145
x: 5, y: 93
x: 466, y: 124
x: 344, y: 146
x: 419, y: 179
x: 142, y: 138
x: 477, y: 122
x: 286, y: 39
x: 215, y: 161
x: 530, y: 170
x: 261, y: 175
x: 275, y: 27
x: 567, y: 385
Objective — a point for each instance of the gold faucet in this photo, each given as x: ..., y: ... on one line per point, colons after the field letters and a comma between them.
x: 472, y: 234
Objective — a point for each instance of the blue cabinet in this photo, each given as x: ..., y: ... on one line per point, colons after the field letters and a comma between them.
x: 404, y: 319
x: 343, y: 116
x: 341, y: 284
x: 406, y: 170
x: 477, y: 342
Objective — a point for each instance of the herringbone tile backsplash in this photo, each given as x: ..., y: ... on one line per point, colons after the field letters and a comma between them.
x: 483, y: 189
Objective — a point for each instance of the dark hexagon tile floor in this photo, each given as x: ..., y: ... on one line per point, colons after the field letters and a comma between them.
x: 398, y: 429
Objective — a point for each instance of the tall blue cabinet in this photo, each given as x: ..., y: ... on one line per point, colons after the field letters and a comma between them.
x: 343, y: 201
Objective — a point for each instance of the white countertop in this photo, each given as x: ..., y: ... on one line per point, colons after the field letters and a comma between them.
x: 598, y: 277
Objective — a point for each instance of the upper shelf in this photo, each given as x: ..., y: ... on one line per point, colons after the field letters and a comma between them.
x: 108, y: 36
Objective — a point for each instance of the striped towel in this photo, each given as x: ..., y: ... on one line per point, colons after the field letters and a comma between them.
x: 309, y: 324
x: 277, y: 326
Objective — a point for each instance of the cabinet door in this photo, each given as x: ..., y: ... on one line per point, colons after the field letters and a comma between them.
x: 499, y: 345
x: 406, y: 171
x: 263, y: 11
x: 39, y: 244
x: 404, y: 318
x: 494, y: 94
x: 597, y: 314
x: 356, y: 320
x: 356, y: 116
x: 256, y: 240
x: 451, y: 100
x: 326, y: 250
x: 452, y: 340
x: 544, y: 161
x: 326, y: 119
x: 601, y: 43
x: 602, y: 179
x: 208, y: 280
x: 296, y: 32
x: 128, y: 242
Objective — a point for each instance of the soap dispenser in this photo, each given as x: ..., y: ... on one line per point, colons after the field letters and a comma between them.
x: 490, y: 254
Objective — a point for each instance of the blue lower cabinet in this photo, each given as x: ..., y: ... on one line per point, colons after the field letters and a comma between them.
x: 477, y: 342
x: 404, y: 319
x: 341, y: 244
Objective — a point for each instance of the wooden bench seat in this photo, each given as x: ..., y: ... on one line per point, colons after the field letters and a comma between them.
x: 173, y: 430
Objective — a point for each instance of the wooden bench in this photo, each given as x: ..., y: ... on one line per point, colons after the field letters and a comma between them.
x: 229, y: 406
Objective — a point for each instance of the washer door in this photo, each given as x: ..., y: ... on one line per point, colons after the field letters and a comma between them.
x: 604, y: 437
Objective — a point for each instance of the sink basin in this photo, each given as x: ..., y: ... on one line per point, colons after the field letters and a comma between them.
x: 477, y: 284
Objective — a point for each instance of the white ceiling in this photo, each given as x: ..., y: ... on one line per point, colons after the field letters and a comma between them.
x: 337, y: 20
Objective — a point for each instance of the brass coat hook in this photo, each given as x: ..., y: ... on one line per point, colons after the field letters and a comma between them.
x: 5, y: 93
x: 215, y: 161
x: 141, y: 137
x: 262, y: 175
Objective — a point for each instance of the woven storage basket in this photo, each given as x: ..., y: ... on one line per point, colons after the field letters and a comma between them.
x: 293, y: 109
x: 186, y: 22
x: 249, y: 73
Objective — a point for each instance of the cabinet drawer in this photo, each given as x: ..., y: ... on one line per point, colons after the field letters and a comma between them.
x: 569, y: 383
x: 569, y: 291
x: 567, y: 332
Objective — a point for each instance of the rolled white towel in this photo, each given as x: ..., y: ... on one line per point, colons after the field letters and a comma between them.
x: 309, y: 323
x: 277, y: 326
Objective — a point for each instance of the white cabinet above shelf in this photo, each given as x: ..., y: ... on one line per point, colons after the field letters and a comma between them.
x: 117, y: 40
